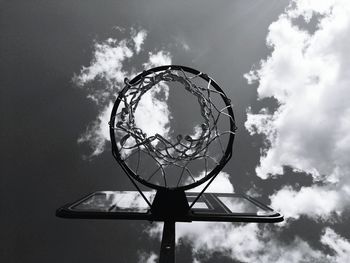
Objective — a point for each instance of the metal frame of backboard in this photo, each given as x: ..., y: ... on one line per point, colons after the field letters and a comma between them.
x: 217, y: 211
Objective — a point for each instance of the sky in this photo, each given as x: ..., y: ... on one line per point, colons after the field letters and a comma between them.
x: 283, y: 64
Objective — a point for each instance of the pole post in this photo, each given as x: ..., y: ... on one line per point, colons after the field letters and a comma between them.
x: 167, y: 248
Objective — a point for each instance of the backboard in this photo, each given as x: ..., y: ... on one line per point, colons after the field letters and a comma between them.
x: 222, y: 207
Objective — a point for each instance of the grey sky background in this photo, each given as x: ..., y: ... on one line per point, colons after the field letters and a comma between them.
x: 43, y: 113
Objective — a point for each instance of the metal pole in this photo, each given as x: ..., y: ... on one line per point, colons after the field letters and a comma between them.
x: 167, y: 248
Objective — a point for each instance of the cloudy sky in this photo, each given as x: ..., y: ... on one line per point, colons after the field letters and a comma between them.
x: 285, y: 66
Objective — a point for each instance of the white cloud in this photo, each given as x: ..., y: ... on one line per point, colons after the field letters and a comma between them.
x: 152, y: 115
x: 308, y: 8
x: 138, y: 39
x: 107, y: 62
x: 103, y: 79
x: 180, y: 41
x: 221, y: 184
x: 255, y: 243
x: 309, y: 75
x: 338, y: 244
x: 147, y: 258
x: 97, y: 134
x: 185, y: 46
x: 244, y: 242
x: 159, y: 58
x: 247, y: 243
x: 315, y: 202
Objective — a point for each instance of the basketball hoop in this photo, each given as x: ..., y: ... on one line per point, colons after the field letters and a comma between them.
x: 130, y: 143
x: 172, y: 164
